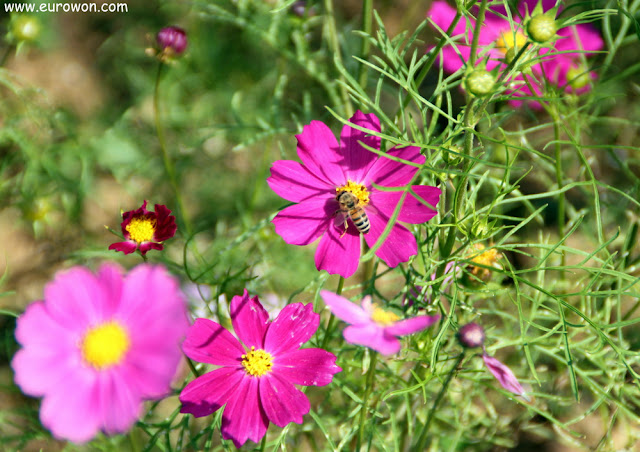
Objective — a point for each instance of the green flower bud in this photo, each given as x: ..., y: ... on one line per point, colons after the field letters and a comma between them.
x: 578, y: 76
x: 542, y: 28
x: 479, y: 82
x: 452, y: 158
x: 25, y: 28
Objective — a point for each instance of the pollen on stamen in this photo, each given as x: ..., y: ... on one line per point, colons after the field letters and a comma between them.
x: 382, y: 317
x: 141, y: 229
x: 257, y: 362
x: 359, y: 190
x: 105, y: 345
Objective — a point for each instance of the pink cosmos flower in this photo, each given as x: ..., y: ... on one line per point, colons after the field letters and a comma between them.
x: 328, y: 170
x: 372, y: 326
x: 98, y: 345
x: 258, y: 373
x: 504, y: 375
x: 145, y: 230
x: 497, y: 37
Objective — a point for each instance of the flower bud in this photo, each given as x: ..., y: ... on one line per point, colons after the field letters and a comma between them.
x: 471, y: 335
x: 479, y: 82
x: 172, y: 40
x: 578, y: 76
x: 451, y: 154
x: 25, y: 28
x: 542, y: 27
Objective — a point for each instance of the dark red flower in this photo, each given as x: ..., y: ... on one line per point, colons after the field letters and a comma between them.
x: 145, y: 230
x: 172, y: 39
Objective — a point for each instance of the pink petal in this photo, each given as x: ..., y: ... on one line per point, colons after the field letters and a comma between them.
x: 112, y: 281
x: 503, y: 374
x: 356, y: 159
x: 208, y: 342
x: 211, y: 391
x: 442, y: 14
x: 294, y: 326
x: 304, y: 223
x: 400, y: 244
x: 413, y: 211
x: 307, y: 367
x: 372, y: 336
x: 148, y: 246
x: 294, y: 182
x: 127, y: 247
x: 243, y: 417
x: 121, y: 403
x: 412, y: 325
x: 581, y: 37
x: 320, y: 153
x: 345, y: 310
x: 338, y: 255
x: 390, y: 173
x: 282, y: 402
x: 250, y: 320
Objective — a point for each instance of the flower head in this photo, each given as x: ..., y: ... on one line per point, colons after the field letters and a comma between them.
x: 336, y: 200
x: 504, y: 375
x: 145, y: 230
x: 256, y: 378
x: 98, y: 345
x: 483, y: 258
x: 172, y: 41
x: 372, y: 326
x: 471, y: 335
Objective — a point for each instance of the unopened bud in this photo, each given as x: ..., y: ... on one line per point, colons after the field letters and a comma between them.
x: 578, y: 76
x: 479, y: 82
x: 25, y: 28
x: 451, y: 154
x: 471, y: 335
x: 172, y: 40
x: 541, y: 28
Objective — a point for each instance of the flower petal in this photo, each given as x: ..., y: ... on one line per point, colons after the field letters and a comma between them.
x: 304, y: 223
x: 294, y: 326
x: 356, y: 159
x: 413, y: 211
x: 337, y: 253
x: 294, y: 182
x: 120, y: 401
x: 307, y: 366
x: 243, y: 417
x: 211, y: 391
x: 390, y: 173
x: 412, y: 325
x: 320, y: 153
x: 208, y: 342
x: 503, y: 374
x: 372, y: 336
x: 344, y: 309
x: 282, y: 402
x: 166, y: 224
x: 250, y: 320
x: 400, y: 244
x: 127, y: 247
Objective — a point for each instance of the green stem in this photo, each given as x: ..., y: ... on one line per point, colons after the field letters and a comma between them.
x: 365, y: 398
x: 168, y: 164
x: 334, y: 46
x: 192, y: 367
x: 327, y: 333
x: 476, y: 34
x: 423, y: 436
x: 559, y: 181
x: 5, y: 55
x: 367, y: 20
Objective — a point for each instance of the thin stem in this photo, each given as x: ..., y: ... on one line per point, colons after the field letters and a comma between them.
x: 192, y: 367
x: 476, y: 33
x: 365, y: 398
x: 5, y: 56
x: 327, y: 333
x: 367, y: 20
x: 423, y: 436
x: 168, y: 164
x: 559, y: 181
x: 334, y: 46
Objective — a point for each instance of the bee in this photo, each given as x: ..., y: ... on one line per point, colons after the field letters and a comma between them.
x: 350, y: 205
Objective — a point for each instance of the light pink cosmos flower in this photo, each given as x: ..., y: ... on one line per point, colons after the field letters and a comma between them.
x: 328, y: 169
x: 504, y: 375
x: 372, y: 326
x: 98, y: 346
x: 497, y: 37
x: 257, y: 374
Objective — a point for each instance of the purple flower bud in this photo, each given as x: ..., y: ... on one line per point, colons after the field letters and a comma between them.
x: 172, y: 39
x: 504, y: 375
x: 471, y: 335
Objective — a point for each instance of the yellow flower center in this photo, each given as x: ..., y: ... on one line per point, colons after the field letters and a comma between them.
x: 359, y: 190
x: 510, y: 40
x: 105, y: 345
x: 257, y: 362
x: 382, y: 317
x: 487, y: 258
x: 141, y: 229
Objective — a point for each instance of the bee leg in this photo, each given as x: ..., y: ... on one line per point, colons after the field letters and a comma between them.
x: 346, y: 225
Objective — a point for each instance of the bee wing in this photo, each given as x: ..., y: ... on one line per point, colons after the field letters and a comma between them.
x: 340, y: 218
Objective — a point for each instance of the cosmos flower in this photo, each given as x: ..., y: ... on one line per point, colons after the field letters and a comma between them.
x: 98, y: 346
x: 172, y: 40
x: 372, y: 326
x: 563, y: 65
x: 329, y: 170
x: 256, y: 378
x: 145, y: 230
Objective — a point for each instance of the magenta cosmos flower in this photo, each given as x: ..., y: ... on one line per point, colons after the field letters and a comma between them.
x: 98, y: 345
x: 564, y: 66
x: 371, y: 325
x: 329, y: 170
x: 258, y: 372
x: 145, y: 230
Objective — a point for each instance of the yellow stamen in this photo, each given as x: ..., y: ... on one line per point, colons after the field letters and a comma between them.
x: 105, y: 345
x: 510, y: 40
x: 359, y: 190
x: 382, y: 317
x: 487, y: 258
x: 257, y: 362
x: 142, y: 228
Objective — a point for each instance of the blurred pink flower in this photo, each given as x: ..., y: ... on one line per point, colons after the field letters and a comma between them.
x: 372, y: 326
x: 145, y: 230
x: 257, y: 376
x: 98, y: 345
x: 504, y: 375
x: 497, y: 37
x: 329, y: 169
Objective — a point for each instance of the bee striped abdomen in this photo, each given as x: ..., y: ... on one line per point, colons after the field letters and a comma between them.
x: 360, y: 219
